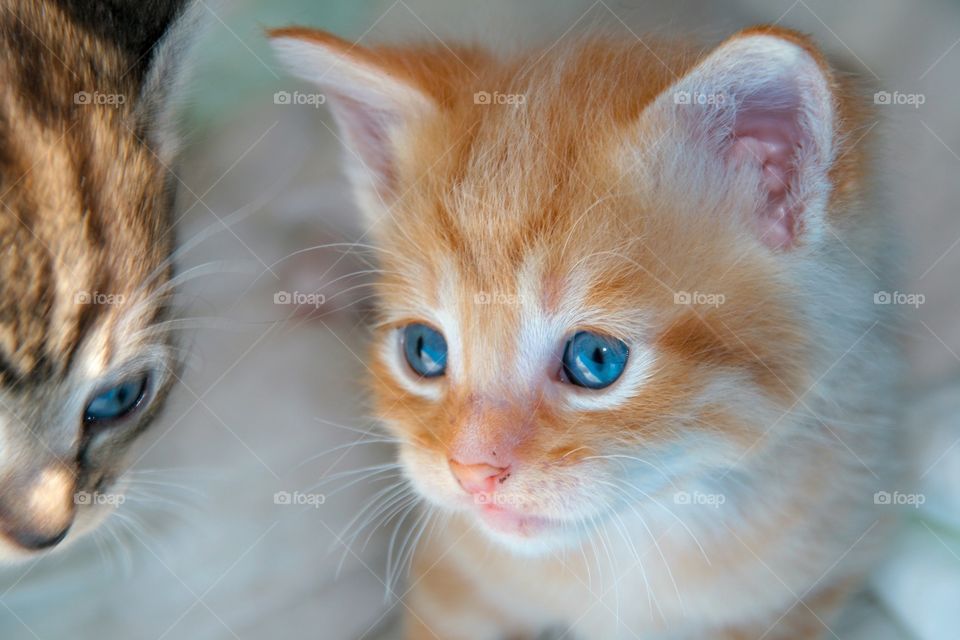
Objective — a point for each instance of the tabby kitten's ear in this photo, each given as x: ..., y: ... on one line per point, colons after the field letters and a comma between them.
x: 761, y: 106
x: 372, y: 97
x: 167, y: 76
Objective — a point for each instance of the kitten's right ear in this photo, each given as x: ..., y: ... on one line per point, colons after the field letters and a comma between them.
x: 371, y: 97
x: 758, y: 112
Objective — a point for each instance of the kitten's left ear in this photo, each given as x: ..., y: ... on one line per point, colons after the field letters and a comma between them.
x: 761, y: 106
x: 373, y: 95
x: 167, y: 76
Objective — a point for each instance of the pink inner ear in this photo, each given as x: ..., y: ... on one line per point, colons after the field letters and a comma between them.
x: 769, y: 138
x: 367, y: 132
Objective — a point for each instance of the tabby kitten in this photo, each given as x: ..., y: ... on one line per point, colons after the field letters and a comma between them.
x: 85, y: 236
x: 627, y: 329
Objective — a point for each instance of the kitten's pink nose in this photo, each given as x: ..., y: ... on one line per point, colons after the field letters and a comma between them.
x: 478, y: 478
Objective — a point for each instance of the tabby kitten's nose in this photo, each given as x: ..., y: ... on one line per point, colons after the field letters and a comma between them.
x: 36, y: 511
x: 35, y: 540
x: 478, y: 478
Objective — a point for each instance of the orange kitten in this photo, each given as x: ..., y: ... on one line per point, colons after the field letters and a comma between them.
x: 627, y: 329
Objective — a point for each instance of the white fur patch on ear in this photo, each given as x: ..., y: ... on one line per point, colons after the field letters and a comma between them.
x: 368, y: 103
x: 762, y: 106
x: 169, y: 76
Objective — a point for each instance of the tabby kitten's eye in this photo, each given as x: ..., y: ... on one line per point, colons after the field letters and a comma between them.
x: 594, y: 361
x: 425, y: 350
x: 116, y: 402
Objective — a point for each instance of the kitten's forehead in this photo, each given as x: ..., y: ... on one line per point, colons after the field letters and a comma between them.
x: 80, y: 232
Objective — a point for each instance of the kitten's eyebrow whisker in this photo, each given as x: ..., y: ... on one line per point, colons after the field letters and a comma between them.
x: 333, y: 245
x: 313, y: 315
x: 337, y: 245
x: 349, y: 289
x: 223, y: 223
x: 184, y: 324
x: 573, y: 228
x: 212, y: 267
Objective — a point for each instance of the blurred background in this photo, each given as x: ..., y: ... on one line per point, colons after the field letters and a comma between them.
x: 215, y: 542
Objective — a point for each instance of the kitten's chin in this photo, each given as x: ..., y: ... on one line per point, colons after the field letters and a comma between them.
x: 86, y: 521
x: 12, y: 555
x: 522, y: 534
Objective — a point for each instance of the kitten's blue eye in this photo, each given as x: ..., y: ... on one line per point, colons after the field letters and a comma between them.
x: 594, y: 361
x: 425, y: 350
x: 116, y: 402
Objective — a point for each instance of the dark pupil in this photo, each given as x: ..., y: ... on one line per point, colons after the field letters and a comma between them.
x: 420, y: 345
x: 123, y: 394
x: 598, y: 355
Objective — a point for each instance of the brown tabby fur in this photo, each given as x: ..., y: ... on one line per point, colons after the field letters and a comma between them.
x: 85, y: 222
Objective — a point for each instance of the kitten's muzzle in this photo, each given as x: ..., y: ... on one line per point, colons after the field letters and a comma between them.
x: 37, y: 511
x: 37, y: 540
